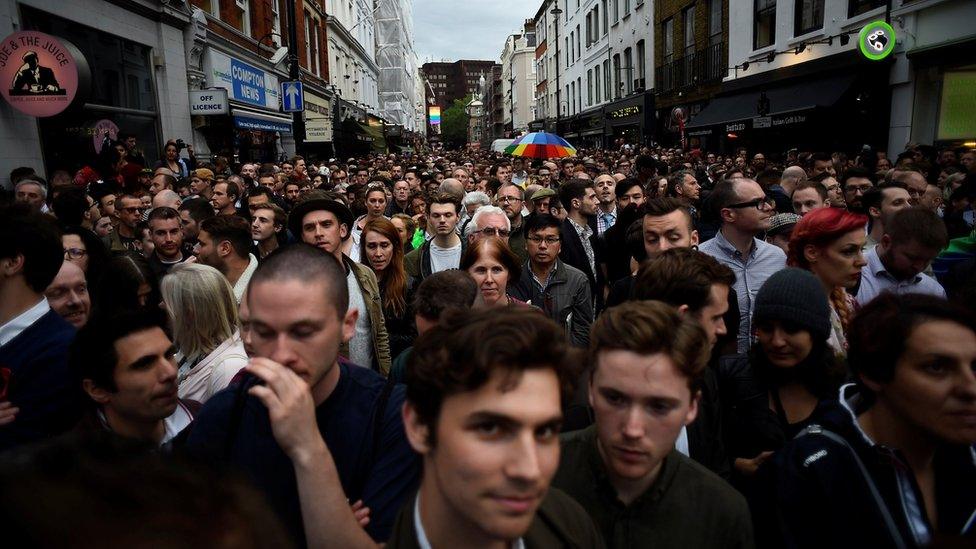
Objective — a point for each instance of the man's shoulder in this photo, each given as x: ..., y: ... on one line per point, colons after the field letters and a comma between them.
x: 562, y: 522
x: 572, y: 274
x: 694, y: 480
x: 50, y: 335
x: 770, y: 250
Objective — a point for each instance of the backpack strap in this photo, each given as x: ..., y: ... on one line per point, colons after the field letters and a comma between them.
x: 896, y: 537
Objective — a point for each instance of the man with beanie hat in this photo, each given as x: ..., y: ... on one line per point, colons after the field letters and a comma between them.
x: 769, y: 395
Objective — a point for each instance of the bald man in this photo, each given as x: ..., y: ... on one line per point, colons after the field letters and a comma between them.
x: 167, y: 198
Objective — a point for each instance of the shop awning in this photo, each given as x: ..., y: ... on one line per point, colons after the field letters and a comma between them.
x: 799, y: 96
x: 253, y: 120
x: 376, y: 132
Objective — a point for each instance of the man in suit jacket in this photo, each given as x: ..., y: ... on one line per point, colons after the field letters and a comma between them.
x: 32, y: 75
x: 581, y: 248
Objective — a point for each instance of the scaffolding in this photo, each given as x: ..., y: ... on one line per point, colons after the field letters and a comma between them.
x: 395, y: 59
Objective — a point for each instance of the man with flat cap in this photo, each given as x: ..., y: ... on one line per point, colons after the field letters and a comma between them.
x: 324, y: 222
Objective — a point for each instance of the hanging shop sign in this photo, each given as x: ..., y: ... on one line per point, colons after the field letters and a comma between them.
x: 244, y: 82
x: 876, y: 41
x: 40, y: 75
x: 208, y: 102
x: 435, y: 116
x: 624, y: 112
x: 318, y: 119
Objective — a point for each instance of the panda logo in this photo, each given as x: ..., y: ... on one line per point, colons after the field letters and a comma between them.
x: 878, y: 40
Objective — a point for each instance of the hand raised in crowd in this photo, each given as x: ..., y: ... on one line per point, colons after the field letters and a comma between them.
x: 290, y: 407
x: 8, y: 412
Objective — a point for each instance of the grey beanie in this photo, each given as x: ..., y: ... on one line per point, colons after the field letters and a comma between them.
x: 796, y: 296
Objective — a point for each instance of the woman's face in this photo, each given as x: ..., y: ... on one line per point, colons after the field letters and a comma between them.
x: 839, y: 263
x: 401, y: 228
x: 170, y: 152
x: 379, y: 250
x: 75, y: 251
x: 492, y: 279
x: 784, y: 344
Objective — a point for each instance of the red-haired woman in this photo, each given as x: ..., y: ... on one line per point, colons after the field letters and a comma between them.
x: 493, y: 265
x: 380, y: 248
x: 829, y: 243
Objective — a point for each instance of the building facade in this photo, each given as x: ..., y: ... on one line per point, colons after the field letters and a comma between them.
x: 519, y: 79
x: 452, y: 81
x: 396, y: 59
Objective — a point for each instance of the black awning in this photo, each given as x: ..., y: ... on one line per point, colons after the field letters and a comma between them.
x: 798, y: 96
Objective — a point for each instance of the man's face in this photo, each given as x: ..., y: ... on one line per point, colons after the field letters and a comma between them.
x: 893, y: 200
x: 167, y: 237
x: 854, y: 189
x: 292, y: 192
x: 376, y: 203
x: 198, y: 185
x: 287, y: 168
x: 103, y: 227
x: 463, y: 177
x: 834, y: 193
x: 504, y: 174
x: 542, y: 205
x: 68, y: 295
x: 417, y: 205
x: 967, y: 160
x: 633, y: 195
x: 220, y: 200
x: 495, y: 223
x: 497, y: 449
x: 932, y: 199
x: 190, y: 228
x: 442, y: 218
x: 268, y: 181
x: 916, y: 187
x: 712, y: 315
x: 543, y: 246
x: 130, y: 211
x: 401, y: 191
x: 130, y: 142
x: 323, y: 230
x: 249, y: 170
x: 256, y: 201
x: 934, y: 384
x: 568, y: 169
x: 661, y: 233
x: 904, y: 260
x: 640, y: 403
x: 145, y: 378
x: 362, y: 176
x: 689, y: 188
x: 510, y: 200
x: 397, y: 172
x: 544, y: 177
x: 750, y: 219
x: 806, y: 200
x: 263, y: 225
x: 300, y: 168
x: 158, y: 184
x: 589, y: 203
x: 30, y: 194
x: 821, y: 166
x: 605, y: 186
x: 207, y: 253
x: 759, y: 162
x: 413, y: 182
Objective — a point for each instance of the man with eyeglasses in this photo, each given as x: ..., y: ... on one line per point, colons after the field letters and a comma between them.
x: 510, y: 199
x: 855, y: 182
x: 560, y: 290
x: 544, y: 177
x: 126, y: 238
x: 745, y: 211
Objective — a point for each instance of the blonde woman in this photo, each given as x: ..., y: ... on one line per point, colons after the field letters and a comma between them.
x: 203, y: 313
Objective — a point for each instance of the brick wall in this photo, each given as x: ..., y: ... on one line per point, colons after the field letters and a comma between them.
x: 674, y: 9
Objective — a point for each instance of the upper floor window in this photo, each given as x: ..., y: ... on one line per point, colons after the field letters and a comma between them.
x: 809, y: 16
x: 714, y: 21
x: 857, y: 7
x: 764, y: 24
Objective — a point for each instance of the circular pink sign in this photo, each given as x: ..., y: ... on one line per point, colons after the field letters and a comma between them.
x: 38, y: 73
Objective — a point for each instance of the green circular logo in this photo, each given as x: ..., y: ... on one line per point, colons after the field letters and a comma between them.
x: 877, y: 40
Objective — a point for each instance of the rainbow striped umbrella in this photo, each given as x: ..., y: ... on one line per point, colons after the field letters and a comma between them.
x: 541, y: 145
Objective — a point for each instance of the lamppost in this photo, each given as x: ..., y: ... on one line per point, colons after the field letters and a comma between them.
x: 294, y: 73
x: 556, y: 12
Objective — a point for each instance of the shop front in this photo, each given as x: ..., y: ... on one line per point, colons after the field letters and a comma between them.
x: 253, y: 128
x: 94, y: 86
x: 351, y: 136
x: 318, y: 125
x: 630, y: 120
x: 586, y: 130
x: 835, y: 107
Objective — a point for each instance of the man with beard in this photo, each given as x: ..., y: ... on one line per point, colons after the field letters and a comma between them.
x: 579, y: 245
x: 854, y: 183
x: 913, y: 237
x: 511, y: 199
x: 166, y: 233
x: 225, y: 243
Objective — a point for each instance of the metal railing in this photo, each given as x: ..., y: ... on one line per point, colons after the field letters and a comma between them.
x: 699, y: 67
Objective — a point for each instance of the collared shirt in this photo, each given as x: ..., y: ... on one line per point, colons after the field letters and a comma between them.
x: 173, y: 425
x: 750, y: 274
x: 605, y: 220
x: 241, y: 285
x: 875, y: 279
x: 539, y: 284
x: 422, y: 540
x: 585, y: 232
x: 21, y: 322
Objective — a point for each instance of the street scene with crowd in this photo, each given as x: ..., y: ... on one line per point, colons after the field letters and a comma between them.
x: 625, y: 347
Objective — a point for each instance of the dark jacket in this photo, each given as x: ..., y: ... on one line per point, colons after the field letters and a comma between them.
x: 559, y: 523
x: 417, y: 262
x: 566, y: 299
x: 686, y: 506
x: 39, y: 382
x: 400, y: 328
x: 574, y: 255
x: 815, y: 494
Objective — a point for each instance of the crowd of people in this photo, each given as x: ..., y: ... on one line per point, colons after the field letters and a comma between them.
x: 627, y: 348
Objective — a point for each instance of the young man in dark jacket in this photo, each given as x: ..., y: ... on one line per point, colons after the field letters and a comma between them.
x: 891, y: 463
x: 624, y: 470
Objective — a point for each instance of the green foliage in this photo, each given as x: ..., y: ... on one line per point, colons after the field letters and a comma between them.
x: 454, y: 124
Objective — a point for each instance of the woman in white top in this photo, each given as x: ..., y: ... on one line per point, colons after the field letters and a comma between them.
x: 203, y: 313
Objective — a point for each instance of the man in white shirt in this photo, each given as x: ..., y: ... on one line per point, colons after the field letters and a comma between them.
x: 912, y: 239
x: 444, y: 250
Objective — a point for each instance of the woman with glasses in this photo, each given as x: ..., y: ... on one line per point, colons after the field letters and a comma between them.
x: 829, y: 242
x: 202, y: 312
x: 492, y: 264
x: 382, y: 251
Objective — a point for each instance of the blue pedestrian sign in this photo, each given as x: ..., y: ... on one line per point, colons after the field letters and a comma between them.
x: 292, y: 97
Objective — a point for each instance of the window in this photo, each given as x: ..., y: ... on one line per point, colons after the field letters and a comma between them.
x: 596, y: 81
x: 616, y: 76
x: 244, y: 6
x: 589, y: 28
x: 616, y: 10
x: 628, y: 70
x: 689, y: 30
x: 668, y: 40
x: 308, y: 41
x: 211, y: 6
x: 566, y: 101
x: 626, y: 8
x: 606, y: 15
x: 579, y: 92
x: 714, y: 21
x: 606, y: 80
x: 572, y: 96
x: 640, y: 63
x: 809, y: 16
x: 567, y: 51
x: 275, y: 23
x: 315, y: 52
x: 578, y: 49
x: 596, y: 23
x: 764, y: 24
x: 589, y: 88
x: 857, y: 7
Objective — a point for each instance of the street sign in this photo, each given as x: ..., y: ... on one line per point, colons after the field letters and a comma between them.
x: 292, y: 97
x: 208, y: 102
